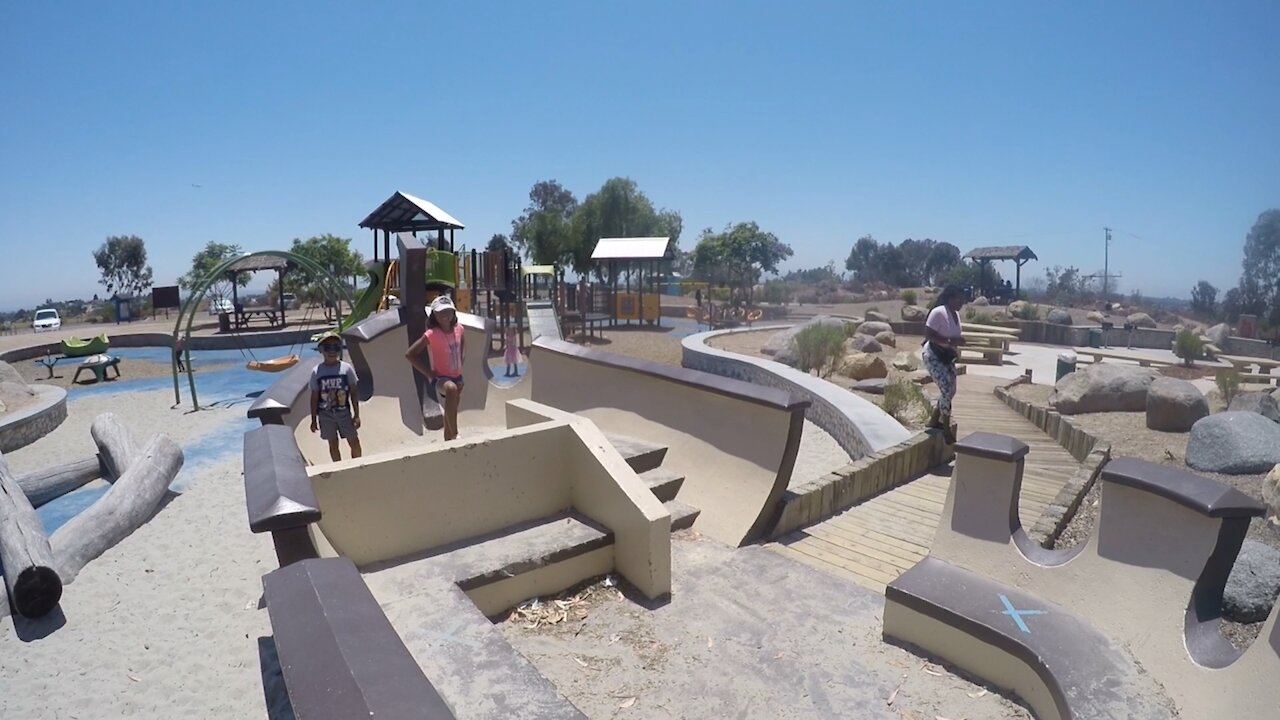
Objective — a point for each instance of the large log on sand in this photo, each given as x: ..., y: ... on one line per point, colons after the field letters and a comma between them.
x: 129, y: 503
x: 115, y: 443
x: 49, y: 484
x: 29, y: 575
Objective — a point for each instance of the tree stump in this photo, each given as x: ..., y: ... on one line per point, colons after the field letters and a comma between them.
x: 129, y: 503
x: 29, y: 570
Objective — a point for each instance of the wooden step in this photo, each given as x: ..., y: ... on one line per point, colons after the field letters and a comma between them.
x: 664, y: 484
x: 682, y: 515
x: 641, y: 455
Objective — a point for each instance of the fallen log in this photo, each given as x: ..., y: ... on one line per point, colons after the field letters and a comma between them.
x: 29, y: 568
x: 115, y: 443
x: 49, y: 484
x: 129, y: 503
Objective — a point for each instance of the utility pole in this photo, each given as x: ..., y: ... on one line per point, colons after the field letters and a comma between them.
x: 1106, y: 264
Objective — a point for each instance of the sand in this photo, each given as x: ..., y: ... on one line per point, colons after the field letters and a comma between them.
x: 166, y: 624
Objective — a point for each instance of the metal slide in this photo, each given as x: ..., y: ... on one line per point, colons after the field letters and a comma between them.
x: 542, y: 319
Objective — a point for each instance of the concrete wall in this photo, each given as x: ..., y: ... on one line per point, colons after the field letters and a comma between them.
x: 198, y: 342
x: 25, y: 426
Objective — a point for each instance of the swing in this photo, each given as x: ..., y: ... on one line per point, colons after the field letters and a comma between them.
x: 278, y: 364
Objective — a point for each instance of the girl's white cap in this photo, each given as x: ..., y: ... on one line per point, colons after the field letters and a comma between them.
x: 441, y: 303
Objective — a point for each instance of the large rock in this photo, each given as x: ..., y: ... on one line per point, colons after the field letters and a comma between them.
x: 906, y: 362
x: 1017, y: 308
x: 914, y: 313
x: 1271, y: 494
x: 1096, y: 317
x: 863, y: 366
x: 1174, y: 405
x: 980, y: 301
x: 1253, y: 584
x: 1218, y: 334
x: 1103, y: 387
x: 1260, y: 402
x: 780, y: 345
x: 877, y: 316
x: 874, y: 386
x: 1058, y: 316
x: 862, y: 343
x: 9, y: 374
x: 887, y: 338
x: 874, y: 327
x: 1141, y: 319
x: 1234, y: 443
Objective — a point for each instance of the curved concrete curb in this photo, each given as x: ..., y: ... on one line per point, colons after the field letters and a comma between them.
x: 32, y: 423
x: 198, y: 342
x: 859, y: 426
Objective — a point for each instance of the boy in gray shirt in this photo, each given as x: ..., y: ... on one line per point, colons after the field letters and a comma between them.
x: 335, y: 402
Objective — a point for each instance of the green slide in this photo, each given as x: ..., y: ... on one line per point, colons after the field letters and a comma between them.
x: 368, y: 300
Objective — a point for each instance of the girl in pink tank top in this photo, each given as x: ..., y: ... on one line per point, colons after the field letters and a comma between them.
x: 444, y: 345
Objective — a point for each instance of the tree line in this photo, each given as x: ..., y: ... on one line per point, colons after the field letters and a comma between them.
x: 1258, y: 290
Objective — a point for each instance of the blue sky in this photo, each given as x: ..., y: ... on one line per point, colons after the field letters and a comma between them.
x: 974, y: 123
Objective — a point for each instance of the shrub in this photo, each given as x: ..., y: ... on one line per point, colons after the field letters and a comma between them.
x: 1027, y: 312
x: 820, y: 348
x: 1228, y: 384
x: 905, y: 401
x: 909, y: 297
x: 1188, y: 346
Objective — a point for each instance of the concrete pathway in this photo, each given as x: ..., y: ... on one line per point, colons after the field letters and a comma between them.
x: 874, y: 542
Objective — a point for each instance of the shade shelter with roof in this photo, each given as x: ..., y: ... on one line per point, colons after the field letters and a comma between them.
x: 252, y: 264
x: 403, y: 212
x: 638, y: 254
x: 984, y: 256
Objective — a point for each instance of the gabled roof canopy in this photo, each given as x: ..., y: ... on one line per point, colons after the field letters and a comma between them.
x: 403, y: 212
x: 254, y: 263
x: 1019, y: 253
x: 640, y: 248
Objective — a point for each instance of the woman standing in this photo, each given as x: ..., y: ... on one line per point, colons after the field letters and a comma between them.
x: 943, y: 339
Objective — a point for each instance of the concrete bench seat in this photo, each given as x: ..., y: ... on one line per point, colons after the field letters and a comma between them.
x: 1143, y: 361
x: 991, y: 354
x: 1263, y: 378
x: 1055, y: 660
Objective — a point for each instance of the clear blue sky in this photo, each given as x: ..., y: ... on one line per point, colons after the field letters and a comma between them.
x: 974, y: 123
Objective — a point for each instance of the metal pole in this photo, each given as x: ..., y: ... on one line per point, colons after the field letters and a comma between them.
x: 1106, y: 264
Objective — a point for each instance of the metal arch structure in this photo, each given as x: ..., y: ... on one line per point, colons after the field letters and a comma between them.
x: 192, y: 305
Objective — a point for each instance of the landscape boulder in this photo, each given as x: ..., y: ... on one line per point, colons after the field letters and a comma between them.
x: 877, y: 316
x: 906, y: 362
x: 920, y: 377
x: 1218, y: 334
x: 1260, y: 402
x: 1174, y: 405
x: 863, y: 366
x: 9, y: 374
x: 862, y: 343
x: 980, y: 301
x: 1271, y: 494
x: 914, y: 313
x: 1019, y: 308
x: 1141, y: 319
x: 1253, y: 584
x: 1234, y: 443
x: 780, y: 345
x: 1058, y: 316
x: 1095, y: 316
x: 874, y: 327
x: 874, y: 386
x: 1103, y: 387
x: 887, y: 338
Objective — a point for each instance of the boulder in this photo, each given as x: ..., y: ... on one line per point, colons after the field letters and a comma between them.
x: 874, y: 386
x: 1174, y: 405
x: 887, y: 338
x: 1271, y: 494
x: 920, y: 377
x: 862, y: 343
x: 874, y: 327
x: 1095, y: 316
x: 1260, y: 402
x: 1253, y: 584
x: 863, y: 366
x: 980, y: 301
x: 1103, y: 387
x: 1019, y: 307
x: 1058, y: 316
x: 906, y: 362
x: 1218, y: 334
x: 914, y: 313
x: 780, y: 345
x: 1234, y: 443
x: 9, y: 374
x: 877, y: 316
x: 1141, y: 319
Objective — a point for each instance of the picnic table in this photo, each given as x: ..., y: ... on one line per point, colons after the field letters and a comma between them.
x: 993, y: 339
x: 997, y: 329
x: 98, y: 365
x: 245, y: 314
x: 50, y: 361
x: 1242, y: 364
x: 590, y: 322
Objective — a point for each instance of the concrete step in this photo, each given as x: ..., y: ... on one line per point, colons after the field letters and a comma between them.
x: 641, y: 455
x: 664, y: 484
x: 682, y: 515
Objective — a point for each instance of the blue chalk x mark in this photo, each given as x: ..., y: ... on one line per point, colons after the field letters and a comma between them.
x: 1017, y: 614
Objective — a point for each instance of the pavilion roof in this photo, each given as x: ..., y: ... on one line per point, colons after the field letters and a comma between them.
x: 637, y: 248
x: 403, y: 212
x: 1002, y: 252
x: 253, y: 263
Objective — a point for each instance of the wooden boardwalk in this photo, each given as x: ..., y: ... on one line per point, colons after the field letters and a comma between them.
x: 874, y: 542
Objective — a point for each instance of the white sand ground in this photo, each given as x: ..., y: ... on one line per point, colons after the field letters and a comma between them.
x: 165, y: 624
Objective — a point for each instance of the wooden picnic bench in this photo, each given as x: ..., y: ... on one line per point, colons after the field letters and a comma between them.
x: 245, y: 314
x: 98, y: 365
x: 590, y: 322
x: 1142, y: 360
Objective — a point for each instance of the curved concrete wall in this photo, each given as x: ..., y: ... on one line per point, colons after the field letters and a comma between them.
x: 859, y: 426
x: 198, y: 342
x: 21, y: 428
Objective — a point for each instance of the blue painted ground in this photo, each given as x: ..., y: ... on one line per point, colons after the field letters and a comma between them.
x: 226, y: 387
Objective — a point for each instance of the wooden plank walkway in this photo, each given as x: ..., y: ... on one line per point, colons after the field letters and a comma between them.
x: 874, y: 542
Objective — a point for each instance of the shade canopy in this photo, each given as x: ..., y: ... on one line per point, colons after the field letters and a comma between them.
x: 403, y: 212
x: 638, y: 248
x: 1020, y: 253
x: 254, y: 263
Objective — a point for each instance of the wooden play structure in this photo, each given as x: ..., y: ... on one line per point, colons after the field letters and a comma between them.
x: 640, y: 259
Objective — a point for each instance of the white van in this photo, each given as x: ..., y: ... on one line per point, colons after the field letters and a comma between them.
x: 46, y: 320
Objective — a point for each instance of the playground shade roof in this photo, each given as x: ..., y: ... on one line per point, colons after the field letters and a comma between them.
x: 403, y: 212
x: 1004, y: 252
x: 639, y: 248
x: 538, y: 269
x: 258, y: 262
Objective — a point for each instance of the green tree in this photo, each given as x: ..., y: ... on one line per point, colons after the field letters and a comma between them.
x: 1204, y: 297
x: 498, y: 243
x: 328, y: 251
x: 863, y: 260
x: 541, y: 233
x: 202, y: 263
x: 942, y: 257
x: 123, y: 262
x: 738, y: 256
x: 617, y: 209
x: 1260, y: 281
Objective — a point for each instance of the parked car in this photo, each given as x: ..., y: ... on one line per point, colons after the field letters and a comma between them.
x: 46, y: 320
x: 290, y: 301
x: 221, y: 305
